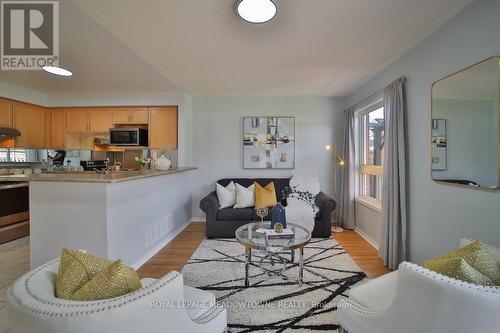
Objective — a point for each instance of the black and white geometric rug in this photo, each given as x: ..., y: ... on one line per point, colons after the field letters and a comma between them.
x: 274, y: 304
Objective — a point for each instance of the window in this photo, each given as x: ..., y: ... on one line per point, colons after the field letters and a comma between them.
x: 371, y: 148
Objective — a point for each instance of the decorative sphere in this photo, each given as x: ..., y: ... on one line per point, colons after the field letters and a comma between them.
x: 278, y: 227
x: 262, y: 212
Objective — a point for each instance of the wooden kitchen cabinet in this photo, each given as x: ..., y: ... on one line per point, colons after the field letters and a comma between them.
x: 83, y: 120
x: 139, y: 115
x: 121, y: 115
x: 72, y: 141
x: 30, y: 120
x: 101, y: 120
x: 130, y: 115
x: 80, y: 141
x: 47, y: 133
x: 57, y: 129
x: 77, y: 120
x: 86, y: 142
x: 163, y: 127
x: 77, y: 127
x: 5, y: 113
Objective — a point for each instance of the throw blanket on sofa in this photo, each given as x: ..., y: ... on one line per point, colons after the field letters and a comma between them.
x: 298, y: 210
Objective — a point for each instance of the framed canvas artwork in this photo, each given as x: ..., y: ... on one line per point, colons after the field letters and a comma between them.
x: 268, y: 142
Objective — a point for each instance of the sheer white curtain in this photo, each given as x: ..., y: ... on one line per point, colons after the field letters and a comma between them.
x: 394, y: 189
x: 346, y: 213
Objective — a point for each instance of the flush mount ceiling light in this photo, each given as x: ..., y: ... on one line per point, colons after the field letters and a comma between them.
x: 57, y: 70
x: 256, y: 11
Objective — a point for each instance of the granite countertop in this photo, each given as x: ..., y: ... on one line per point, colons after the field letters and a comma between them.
x: 91, y: 176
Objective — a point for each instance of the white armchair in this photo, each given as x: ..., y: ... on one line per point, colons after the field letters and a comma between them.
x: 415, y: 300
x: 156, y: 307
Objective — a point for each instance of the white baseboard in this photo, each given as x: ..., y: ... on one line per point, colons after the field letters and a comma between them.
x: 367, y: 238
x: 199, y: 220
x: 160, y: 246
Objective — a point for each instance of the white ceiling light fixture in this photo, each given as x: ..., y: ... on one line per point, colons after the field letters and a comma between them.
x: 57, y: 70
x: 256, y: 11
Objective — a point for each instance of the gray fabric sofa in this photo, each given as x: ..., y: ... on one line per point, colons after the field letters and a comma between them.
x: 222, y: 223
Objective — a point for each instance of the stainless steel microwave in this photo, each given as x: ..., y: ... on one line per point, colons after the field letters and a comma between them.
x: 128, y: 136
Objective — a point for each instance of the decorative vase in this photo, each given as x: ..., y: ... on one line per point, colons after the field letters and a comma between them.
x: 278, y: 215
x: 163, y: 163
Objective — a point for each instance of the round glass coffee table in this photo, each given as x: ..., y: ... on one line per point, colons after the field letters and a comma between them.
x: 248, y: 236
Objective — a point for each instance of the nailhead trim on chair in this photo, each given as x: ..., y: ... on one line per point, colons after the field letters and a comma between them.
x: 347, y: 303
x: 214, y: 312
x: 125, y: 299
x: 449, y: 280
x: 344, y: 328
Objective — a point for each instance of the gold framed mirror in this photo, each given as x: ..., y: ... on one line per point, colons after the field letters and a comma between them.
x: 465, y: 143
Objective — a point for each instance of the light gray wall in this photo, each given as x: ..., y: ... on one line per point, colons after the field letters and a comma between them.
x: 218, y: 130
x: 472, y: 147
x: 439, y: 214
x: 18, y: 93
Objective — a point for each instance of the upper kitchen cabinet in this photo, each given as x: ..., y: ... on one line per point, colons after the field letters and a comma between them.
x: 57, y: 129
x: 5, y: 113
x: 139, y: 115
x: 101, y: 120
x: 121, y: 116
x: 136, y: 115
x: 83, y: 120
x: 163, y: 127
x: 31, y: 121
x: 77, y: 120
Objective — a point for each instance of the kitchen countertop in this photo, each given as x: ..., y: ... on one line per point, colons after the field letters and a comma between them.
x: 10, y: 184
x: 91, y: 176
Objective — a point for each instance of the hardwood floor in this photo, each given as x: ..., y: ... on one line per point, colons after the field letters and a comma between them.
x: 362, y: 252
x: 174, y: 256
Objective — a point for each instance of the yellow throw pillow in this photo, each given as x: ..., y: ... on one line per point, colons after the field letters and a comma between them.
x: 265, y: 196
x: 76, y: 268
x: 116, y: 280
x: 477, y: 255
x: 458, y: 268
x: 480, y: 256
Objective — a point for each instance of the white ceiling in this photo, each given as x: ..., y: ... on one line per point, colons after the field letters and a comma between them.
x: 99, y: 61
x: 312, y: 47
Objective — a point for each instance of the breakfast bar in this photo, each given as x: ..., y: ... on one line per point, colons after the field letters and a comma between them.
x: 128, y: 215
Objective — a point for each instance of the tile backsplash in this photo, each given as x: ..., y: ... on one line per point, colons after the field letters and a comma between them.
x: 17, y: 158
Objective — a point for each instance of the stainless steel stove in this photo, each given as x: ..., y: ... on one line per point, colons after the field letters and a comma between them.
x: 94, y: 165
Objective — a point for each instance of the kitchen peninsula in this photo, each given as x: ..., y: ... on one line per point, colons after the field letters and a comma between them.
x: 128, y: 215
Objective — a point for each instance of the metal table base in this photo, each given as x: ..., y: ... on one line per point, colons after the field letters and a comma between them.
x: 270, y: 255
